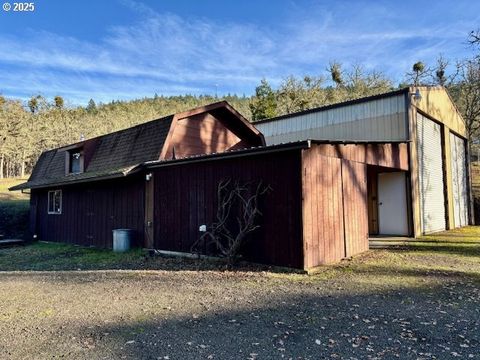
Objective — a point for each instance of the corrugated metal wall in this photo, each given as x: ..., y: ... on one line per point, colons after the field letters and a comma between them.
x: 380, y: 119
x: 459, y: 180
x: 430, y: 171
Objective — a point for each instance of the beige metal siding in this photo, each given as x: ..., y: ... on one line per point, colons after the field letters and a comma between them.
x: 380, y: 119
x: 459, y: 180
x: 430, y: 171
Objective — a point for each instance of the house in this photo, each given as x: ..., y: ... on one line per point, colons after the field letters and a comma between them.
x: 435, y: 194
x: 160, y: 180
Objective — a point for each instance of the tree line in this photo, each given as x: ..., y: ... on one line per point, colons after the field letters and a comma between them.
x: 461, y: 79
x: 29, y: 128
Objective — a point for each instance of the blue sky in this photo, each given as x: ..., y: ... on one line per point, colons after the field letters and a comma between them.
x: 123, y: 49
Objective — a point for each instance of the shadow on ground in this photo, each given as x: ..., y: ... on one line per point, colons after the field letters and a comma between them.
x: 298, y: 322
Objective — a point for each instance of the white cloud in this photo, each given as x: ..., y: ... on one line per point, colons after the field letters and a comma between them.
x: 170, y: 54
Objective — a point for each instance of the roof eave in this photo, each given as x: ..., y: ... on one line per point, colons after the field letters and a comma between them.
x: 120, y: 174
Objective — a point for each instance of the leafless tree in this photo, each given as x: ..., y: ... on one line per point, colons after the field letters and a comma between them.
x: 474, y: 37
x: 237, y: 203
x: 419, y: 75
x: 467, y: 93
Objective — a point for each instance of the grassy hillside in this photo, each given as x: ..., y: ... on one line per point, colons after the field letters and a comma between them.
x: 14, y: 207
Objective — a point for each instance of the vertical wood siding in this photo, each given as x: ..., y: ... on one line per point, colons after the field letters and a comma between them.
x: 204, y: 134
x: 90, y: 212
x: 355, y: 207
x: 335, y: 209
x: 185, y: 198
x: 323, y: 228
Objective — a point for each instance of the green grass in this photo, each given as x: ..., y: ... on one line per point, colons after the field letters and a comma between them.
x: 51, y: 256
x: 452, y: 254
x: 14, y: 208
x: 6, y: 195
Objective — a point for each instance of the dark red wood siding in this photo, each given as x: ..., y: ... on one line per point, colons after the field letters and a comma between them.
x: 322, y: 210
x: 355, y: 207
x: 335, y: 209
x: 185, y: 198
x: 90, y: 212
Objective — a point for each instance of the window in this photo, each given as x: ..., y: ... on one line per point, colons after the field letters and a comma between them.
x: 75, y: 161
x: 55, y: 202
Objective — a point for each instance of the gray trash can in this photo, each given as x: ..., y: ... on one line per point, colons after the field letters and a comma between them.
x: 122, y: 238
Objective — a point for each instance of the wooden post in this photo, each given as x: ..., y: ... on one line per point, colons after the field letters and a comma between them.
x: 149, y: 211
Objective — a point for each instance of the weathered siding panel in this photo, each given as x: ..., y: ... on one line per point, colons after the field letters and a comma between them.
x: 382, y: 119
x: 323, y: 234
x: 91, y: 211
x: 335, y: 206
x: 185, y: 198
x: 386, y: 155
x: 204, y: 134
x: 354, y: 178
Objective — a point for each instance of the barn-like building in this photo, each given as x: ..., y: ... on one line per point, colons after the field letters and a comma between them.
x: 435, y: 194
x: 389, y: 164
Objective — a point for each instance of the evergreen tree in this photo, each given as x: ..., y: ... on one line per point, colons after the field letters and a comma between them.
x: 91, y: 107
x: 264, y: 104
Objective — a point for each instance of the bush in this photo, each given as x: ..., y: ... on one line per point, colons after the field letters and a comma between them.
x: 14, y: 217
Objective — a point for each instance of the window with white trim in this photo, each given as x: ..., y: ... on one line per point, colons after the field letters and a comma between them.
x: 55, y: 202
x: 75, y: 161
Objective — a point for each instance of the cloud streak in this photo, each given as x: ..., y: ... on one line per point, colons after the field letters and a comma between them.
x: 170, y: 54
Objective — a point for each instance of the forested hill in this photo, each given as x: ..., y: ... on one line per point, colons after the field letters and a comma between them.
x: 28, y: 129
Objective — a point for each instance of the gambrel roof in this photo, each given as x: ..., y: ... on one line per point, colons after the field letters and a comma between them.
x: 122, y: 152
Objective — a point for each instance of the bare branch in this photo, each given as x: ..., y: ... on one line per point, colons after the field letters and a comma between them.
x: 235, y: 202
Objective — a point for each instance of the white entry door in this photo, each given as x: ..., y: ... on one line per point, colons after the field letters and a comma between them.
x: 392, y: 204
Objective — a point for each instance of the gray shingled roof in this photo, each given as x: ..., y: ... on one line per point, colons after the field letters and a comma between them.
x: 115, y: 154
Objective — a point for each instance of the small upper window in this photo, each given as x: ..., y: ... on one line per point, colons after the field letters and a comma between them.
x: 75, y: 163
x: 55, y: 202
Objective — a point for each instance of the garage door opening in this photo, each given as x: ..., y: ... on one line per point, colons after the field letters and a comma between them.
x: 387, y: 202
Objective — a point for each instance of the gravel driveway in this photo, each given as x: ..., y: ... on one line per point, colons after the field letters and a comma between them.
x: 408, y: 304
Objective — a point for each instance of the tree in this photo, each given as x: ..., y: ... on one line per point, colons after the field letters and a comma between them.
x: 91, y: 107
x: 58, y: 102
x: 33, y: 105
x: 264, y: 103
x: 238, y: 210
x: 300, y: 94
x: 474, y: 37
x: 466, y: 92
x: 419, y: 74
x: 336, y: 73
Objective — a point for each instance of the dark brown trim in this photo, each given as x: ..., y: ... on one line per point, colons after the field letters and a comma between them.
x: 74, y: 182
x: 149, y: 211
